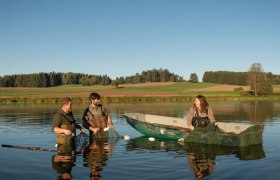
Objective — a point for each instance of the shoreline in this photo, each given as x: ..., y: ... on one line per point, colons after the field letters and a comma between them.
x: 133, y: 99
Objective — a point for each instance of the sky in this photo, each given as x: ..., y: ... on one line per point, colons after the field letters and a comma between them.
x: 124, y: 37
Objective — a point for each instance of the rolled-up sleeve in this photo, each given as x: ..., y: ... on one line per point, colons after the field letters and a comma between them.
x: 56, y: 122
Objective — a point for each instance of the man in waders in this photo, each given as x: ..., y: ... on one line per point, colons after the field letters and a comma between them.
x: 64, y: 125
x: 96, y: 118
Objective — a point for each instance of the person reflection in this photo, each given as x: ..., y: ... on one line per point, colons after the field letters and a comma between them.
x: 63, y: 162
x: 201, y: 166
x: 96, y: 155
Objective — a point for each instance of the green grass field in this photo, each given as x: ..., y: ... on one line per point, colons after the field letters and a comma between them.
x: 181, y: 91
x: 174, y: 89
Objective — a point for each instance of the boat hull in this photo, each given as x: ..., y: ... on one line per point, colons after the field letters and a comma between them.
x: 211, y: 134
x: 156, y: 131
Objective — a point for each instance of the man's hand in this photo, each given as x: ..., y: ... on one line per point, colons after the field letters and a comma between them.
x: 94, y: 130
x: 67, y: 132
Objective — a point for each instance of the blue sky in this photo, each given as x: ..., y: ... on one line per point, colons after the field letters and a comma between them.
x: 124, y: 37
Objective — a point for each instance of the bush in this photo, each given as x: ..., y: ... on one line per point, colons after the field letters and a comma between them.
x: 238, y: 89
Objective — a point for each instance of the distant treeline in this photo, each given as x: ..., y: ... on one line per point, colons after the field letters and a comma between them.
x: 234, y: 78
x: 56, y: 79
x: 156, y: 75
x: 160, y: 75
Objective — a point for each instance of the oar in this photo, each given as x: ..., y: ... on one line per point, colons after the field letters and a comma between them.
x: 28, y: 148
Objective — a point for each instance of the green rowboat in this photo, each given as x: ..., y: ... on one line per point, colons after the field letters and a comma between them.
x: 226, y: 134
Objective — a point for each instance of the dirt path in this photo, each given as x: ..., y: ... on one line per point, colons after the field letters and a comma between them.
x: 218, y: 88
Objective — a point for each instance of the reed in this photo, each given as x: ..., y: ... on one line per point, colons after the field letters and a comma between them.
x: 146, y: 99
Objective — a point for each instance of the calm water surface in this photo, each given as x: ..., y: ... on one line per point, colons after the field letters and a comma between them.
x: 138, y: 158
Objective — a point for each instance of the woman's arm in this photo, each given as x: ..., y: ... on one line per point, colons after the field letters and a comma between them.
x: 189, y: 119
x: 211, y: 115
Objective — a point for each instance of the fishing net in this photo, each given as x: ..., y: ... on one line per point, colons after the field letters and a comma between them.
x: 113, y: 136
x: 214, y: 135
x: 82, y: 140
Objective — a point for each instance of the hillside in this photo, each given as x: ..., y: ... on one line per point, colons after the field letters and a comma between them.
x: 144, y: 89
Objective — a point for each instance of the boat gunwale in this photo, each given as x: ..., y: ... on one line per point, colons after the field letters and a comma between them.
x: 238, y: 128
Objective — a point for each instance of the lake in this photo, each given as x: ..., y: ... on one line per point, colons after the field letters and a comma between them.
x: 138, y: 158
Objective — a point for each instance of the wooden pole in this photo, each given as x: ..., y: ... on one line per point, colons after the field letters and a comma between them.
x: 28, y: 148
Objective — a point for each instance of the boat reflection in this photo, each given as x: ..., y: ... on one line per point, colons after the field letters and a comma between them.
x: 201, y: 157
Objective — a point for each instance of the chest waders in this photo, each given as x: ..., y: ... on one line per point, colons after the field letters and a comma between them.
x: 63, y: 139
x: 99, y: 120
x: 200, y: 121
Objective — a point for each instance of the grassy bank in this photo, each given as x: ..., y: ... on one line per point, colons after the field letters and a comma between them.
x: 134, y: 99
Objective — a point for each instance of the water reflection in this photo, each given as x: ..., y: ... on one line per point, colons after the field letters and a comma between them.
x: 201, y: 166
x: 201, y: 157
x: 29, y: 125
x: 96, y: 154
x: 66, y: 155
x: 253, y: 111
x: 63, y: 162
x: 63, y: 165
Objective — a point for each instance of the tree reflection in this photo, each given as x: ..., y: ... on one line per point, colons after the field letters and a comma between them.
x: 253, y: 111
